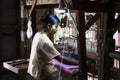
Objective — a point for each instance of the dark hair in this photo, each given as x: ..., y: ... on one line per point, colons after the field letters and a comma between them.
x: 49, y: 19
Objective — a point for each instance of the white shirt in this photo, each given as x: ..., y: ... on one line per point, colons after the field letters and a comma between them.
x: 42, y: 51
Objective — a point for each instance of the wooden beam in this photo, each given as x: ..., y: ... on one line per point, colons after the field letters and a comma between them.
x: 116, y: 24
x: 94, y: 6
x: 81, y: 41
x: 89, y: 6
x: 115, y: 55
x: 90, y: 22
x: 106, y: 43
x: 45, y: 6
x: 9, y: 27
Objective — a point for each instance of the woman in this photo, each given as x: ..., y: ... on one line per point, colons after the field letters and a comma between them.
x: 43, y: 51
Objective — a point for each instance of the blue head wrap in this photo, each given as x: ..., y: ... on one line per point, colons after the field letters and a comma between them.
x: 49, y: 19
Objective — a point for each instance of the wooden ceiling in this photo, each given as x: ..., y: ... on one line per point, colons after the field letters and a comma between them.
x: 97, y: 6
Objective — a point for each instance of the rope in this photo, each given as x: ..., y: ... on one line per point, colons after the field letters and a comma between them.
x: 32, y: 8
x: 59, y: 78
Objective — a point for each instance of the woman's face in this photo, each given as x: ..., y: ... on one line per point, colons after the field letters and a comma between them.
x: 53, y: 29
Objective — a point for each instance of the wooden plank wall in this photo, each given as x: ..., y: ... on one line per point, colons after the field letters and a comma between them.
x: 9, y: 30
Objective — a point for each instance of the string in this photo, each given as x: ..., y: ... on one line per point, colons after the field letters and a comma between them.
x: 74, y: 22
x: 62, y: 54
x: 68, y: 10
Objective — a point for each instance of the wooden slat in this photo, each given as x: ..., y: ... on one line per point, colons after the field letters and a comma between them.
x: 90, y: 23
x: 115, y: 55
x: 94, y: 6
x: 45, y: 6
x: 9, y: 27
x: 89, y: 6
x: 11, y: 68
x: 17, y: 66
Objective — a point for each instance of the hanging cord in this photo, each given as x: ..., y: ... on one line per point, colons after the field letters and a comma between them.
x: 29, y: 24
x: 68, y: 10
x: 32, y: 8
x: 62, y: 54
x: 74, y: 22
x: 76, y: 26
x: 59, y: 78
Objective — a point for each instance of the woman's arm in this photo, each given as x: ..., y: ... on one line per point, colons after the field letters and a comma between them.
x: 66, y: 60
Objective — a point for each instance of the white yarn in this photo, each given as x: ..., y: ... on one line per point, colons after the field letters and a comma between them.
x: 29, y: 29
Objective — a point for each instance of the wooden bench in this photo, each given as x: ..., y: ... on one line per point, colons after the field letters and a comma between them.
x: 19, y: 67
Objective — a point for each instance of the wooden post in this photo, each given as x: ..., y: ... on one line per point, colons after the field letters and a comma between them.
x: 81, y: 43
x: 106, y: 43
